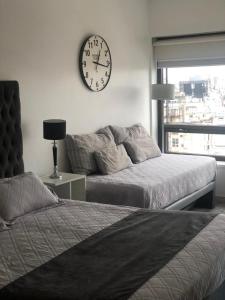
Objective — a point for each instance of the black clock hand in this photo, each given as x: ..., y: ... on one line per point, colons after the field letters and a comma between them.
x: 97, y: 63
x: 98, y: 59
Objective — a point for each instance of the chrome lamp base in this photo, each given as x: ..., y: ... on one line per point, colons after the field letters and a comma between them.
x: 55, y: 174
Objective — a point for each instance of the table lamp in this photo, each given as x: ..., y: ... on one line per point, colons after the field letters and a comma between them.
x: 163, y: 91
x: 54, y: 129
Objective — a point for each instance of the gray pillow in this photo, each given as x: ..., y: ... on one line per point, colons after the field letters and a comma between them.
x: 122, y: 134
x: 81, y: 148
x: 142, y: 149
x: 22, y: 194
x: 112, y: 159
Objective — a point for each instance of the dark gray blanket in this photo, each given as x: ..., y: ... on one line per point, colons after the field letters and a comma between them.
x: 113, y: 263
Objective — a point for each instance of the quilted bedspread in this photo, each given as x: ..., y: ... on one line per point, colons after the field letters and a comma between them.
x: 154, y: 183
x: 193, y: 273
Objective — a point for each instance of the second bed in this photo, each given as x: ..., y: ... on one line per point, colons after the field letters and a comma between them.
x: 168, y: 181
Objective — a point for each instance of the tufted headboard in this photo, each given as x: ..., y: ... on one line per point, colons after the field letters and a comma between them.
x: 11, y: 143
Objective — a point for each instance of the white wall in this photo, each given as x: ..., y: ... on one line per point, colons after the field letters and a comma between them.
x: 220, y: 186
x: 180, y: 17
x: 40, y: 43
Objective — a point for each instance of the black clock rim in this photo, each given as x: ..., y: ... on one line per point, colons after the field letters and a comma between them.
x: 80, y: 62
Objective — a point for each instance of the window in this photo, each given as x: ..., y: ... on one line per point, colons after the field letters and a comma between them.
x: 196, y: 64
x: 195, y: 121
x: 175, y: 142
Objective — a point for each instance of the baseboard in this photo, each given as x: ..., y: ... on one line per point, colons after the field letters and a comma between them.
x: 219, y: 199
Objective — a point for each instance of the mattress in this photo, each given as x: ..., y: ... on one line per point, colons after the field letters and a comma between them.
x: 154, y: 183
x: 193, y: 273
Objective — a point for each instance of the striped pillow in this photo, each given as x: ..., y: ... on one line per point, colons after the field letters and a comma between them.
x: 80, y: 150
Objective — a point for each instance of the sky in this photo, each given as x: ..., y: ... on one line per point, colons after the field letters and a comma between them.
x: 196, y: 73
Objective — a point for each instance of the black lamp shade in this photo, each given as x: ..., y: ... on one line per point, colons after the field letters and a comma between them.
x: 54, y: 129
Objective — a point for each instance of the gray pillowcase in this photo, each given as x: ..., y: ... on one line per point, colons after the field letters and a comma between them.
x: 22, y: 194
x: 122, y: 134
x: 81, y: 148
x: 112, y: 159
x: 141, y: 149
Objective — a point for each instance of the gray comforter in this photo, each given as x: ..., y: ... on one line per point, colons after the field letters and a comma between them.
x: 34, y: 239
x: 154, y: 183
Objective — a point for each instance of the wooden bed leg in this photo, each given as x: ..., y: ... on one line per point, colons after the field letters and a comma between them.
x: 207, y: 201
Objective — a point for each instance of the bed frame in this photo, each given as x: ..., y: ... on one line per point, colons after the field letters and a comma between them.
x: 219, y: 293
x: 205, y: 197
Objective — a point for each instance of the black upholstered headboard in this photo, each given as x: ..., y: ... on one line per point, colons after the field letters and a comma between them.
x: 11, y: 142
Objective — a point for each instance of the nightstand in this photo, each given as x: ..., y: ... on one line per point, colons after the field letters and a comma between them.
x: 71, y: 186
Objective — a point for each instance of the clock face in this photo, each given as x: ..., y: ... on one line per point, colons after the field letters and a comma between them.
x: 95, y: 63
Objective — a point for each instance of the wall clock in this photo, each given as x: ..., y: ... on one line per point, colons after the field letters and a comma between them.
x: 95, y: 63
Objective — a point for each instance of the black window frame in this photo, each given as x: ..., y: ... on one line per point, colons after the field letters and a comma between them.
x: 164, y: 129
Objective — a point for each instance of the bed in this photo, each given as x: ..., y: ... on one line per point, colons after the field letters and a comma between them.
x: 124, y: 166
x: 82, y: 250
x: 194, y: 272
x: 169, y: 181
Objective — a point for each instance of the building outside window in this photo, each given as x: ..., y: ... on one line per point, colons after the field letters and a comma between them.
x: 175, y: 142
x: 192, y: 119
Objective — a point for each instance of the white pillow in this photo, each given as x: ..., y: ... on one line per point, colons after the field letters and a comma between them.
x: 22, y: 194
